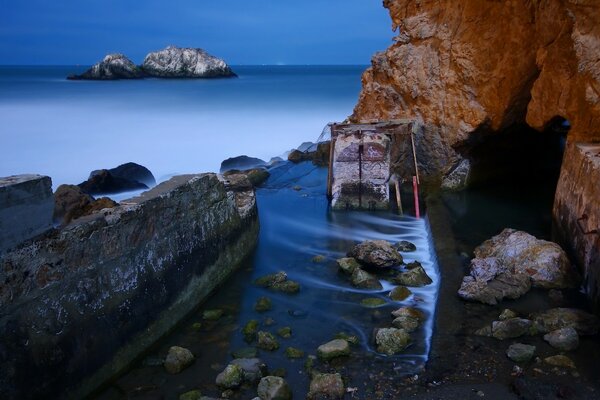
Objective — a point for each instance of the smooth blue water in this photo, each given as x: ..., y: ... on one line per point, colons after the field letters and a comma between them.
x: 65, y: 129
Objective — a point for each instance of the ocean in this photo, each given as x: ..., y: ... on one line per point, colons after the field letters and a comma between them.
x: 65, y: 129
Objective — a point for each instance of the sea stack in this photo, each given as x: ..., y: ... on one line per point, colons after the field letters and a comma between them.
x: 178, y: 62
x: 112, y: 67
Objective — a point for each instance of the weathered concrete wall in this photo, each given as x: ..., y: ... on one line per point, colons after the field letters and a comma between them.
x: 79, y: 305
x: 577, y: 211
x: 26, y: 206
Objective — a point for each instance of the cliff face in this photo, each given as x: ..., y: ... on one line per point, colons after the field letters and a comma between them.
x: 466, y: 66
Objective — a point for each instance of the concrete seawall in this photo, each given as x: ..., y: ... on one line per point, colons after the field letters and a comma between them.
x: 78, y: 305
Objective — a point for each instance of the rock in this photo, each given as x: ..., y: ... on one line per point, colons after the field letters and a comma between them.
x: 263, y: 304
x: 376, y: 254
x: 257, y: 176
x: 352, y: 339
x: 317, y: 259
x: 333, y: 349
x: 292, y: 352
x: 112, y: 67
x: 565, y: 339
x: 399, y: 293
x: 267, y: 341
x: 197, y: 326
x: 176, y: 62
x: 131, y: 172
x: 512, y: 328
x: 391, y: 341
x: 507, y: 314
x: 103, y: 182
x: 191, y: 395
x: 520, y: 353
x: 348, y: 264
x: 413, y: 265
x: 280, y: 372
x: 297, y: 156
x: 278, y: 282
x: 285, y: 332
x: 557, y: 318
x: 178, y: 359
x: 71, y: 202
x: 245, y: 352
x: 253, y: 369
x: 231, y: 377
x: 560, y: 361
x: 407, y: 318
x: 250, y: 330
x: 372, y: 302
x: 274, y: 388
x: 490, y: 282
x: 519, y: 252
x: 212, y: 315
x: 241, y: 163
x: 363, y: 280
x: 326, y: 386
x: 319, y: 154
x: 416, y: 277
x: 405, y: 246
x: 409, y: 312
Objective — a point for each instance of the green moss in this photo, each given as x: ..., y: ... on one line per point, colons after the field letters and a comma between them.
x: 292, y: 352
x: 285, y: 332
x: 372, y: 302
x: 249, y: 330
x: 191, y: 395
x: 263, y: 304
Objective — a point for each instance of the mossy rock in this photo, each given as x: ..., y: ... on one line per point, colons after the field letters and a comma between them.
x: 391, y: 341
x: 333, y: 349
x: 213, y: 315
x: 347, y: 265
x: 318, y: 259
x: 399, y: 293
x: 263, y: 304
x: 416, y: 277
x: 266, y: 341
x: 250, y: 330
x: 285, y: 332
x: 292, y: 352
x: 352, y: 339
x: 372, y: 302
x: 197, y: 326
x: 191, y: 395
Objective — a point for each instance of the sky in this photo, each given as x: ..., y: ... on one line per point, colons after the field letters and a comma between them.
x: 66, y: 32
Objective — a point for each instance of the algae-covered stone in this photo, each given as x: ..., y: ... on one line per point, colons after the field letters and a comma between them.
x: 565, y: 339
x: 310, y: 363
x: 274, y: 388
x: 292, y: 352
x: 409, y: 312
x: 326, y: 386
x: 352, y: 339
x: 405, y: 246
x: 285, y: 332
x: 560, y: 361
x: 250, y: 329
x: 197, y: 326
x: 287, y: 286
x: 399, y: 293
x: 363, y: 280
x: 416, y: 277
x: 520, y: 352
x: 245, y: 352
x: 408, y: 323
x: 278, y: 282
x: 318, y: 259
x: 191, y: 395
x: 212, y: 315
x: 348, y: 264
x: 253, y: 368
x: 263, y: 304
x: 231, y: 377
x: 372, y: 302
x: 391, y: 341
x: 178, y: 358
x: 333, y: 349
x: 376, y: 254
x: 512, y: 328
x: 267, y: 341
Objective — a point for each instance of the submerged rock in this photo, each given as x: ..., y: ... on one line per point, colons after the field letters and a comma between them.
x: 557, y: 318
x: 409, y: 312
x: 274, y: 388
x: 372, y: 302
x: 348, y: 264
x: 231, y: 377
x: 565, y: 339
x: 408, y: 318
x: 416, y: 277
x: 263, y: 304
x: 112, y: 67
x: 292, y: 352
x: 241, y: 163
x: 512, y: 328
x: 376, y: 254
x: 326, y: 386
x: 520, y: 352
x: 391, y: 341
x: 399, y: 293
x: 253, y: 369
x: 250, y: 330
x: 177, y: 62
x: 191, y: 395
x: 405, y: 246
x: 278, y: 282
x: 560, y: 361
x: 212, y: 315
x: 285, y: 332
x: 245, y: 352
x: 363, y: 280
x: 267, y: 341
x: 352, y: 339
x: 178, y: 358
x: 333, y: 349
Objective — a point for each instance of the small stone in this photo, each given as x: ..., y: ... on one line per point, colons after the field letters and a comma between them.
x: 416, y: 277
x: 405, y: 246
x: 267, y: 341
x: 409, y: 324
x: 285, y: 332
x: 278, y: 282
x: 196, y: 326
x: 372, y: 302
x: 376, y: 254
x: 253, y: 369
x: 268, y: 321
x: 297, y: 188
x: 178, y: 358
x: 333, y: 349
x: 327, y: 386
x: 520, y: 352
x: 507, y: 314
x: 409, y: 312
x: 318, y: 259
x: 274, y: 388
x: 363, y: 280
x: 560, y: 361
x: 249, y: 331
x: 352, y: 339
x: 191, y: 395
x: 212, y: 315
x: 231, y: 377
x: 512, y: 328
x: 292, y: 352
x: 245, y: 352
x: 227, y: 394
x: 399, y: 293
x: 391, y: 341
x: 486, y: 331
x: 263, y: 304
x: 347, y: 264
x: 565, y: 339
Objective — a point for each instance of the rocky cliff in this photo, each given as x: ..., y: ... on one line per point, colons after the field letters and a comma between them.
x: 471, y: 67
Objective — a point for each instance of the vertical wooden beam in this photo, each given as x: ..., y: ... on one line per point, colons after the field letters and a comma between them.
x: 399, y: 197
x: 412, y: 139
x: 416, y: 194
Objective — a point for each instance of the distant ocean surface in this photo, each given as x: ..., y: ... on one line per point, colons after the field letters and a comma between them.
x: 65, y: 129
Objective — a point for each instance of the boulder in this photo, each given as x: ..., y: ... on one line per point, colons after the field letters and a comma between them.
x: 178, y: 358
x: 326, y: 386
x: 348, y: 264
x: 416, y: 277
x: 103, y: 182
x: 267, y: 341
x: 71, y: 202
x: 132, y: 172
x: 391, y: 341
x: 112, y: 67
x: 405, y: 246
x: 489, y: 283
x: 241, y: 163
x: 557, y: 318
x: 363, y: 280
x: 333, y: 349
x: 274, y: 388
x: 512, y: 328
x: 376, y: 254
x: 565, y: 339
x: 520, y: 352
x: 544, y: 262
x: 253, y: 369
x: 231, y: 377
x: 176, y: 62
x: 399, y: 293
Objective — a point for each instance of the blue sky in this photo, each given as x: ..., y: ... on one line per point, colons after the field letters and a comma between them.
x: 241, y: 31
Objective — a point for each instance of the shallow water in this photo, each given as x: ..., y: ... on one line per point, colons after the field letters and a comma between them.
x: 296, y: 224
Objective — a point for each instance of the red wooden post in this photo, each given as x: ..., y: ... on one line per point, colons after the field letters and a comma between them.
x: 416, y: 193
